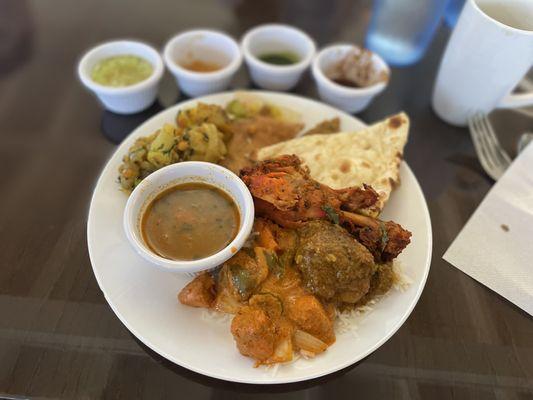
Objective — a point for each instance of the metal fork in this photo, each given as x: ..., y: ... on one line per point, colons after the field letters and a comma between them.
x: 525, y: 139
x: 492, y: 156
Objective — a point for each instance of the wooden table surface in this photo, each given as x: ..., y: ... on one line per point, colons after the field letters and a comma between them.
x: 58, y: 336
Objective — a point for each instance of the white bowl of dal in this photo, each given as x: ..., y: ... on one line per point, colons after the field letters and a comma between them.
x: 148, y: 190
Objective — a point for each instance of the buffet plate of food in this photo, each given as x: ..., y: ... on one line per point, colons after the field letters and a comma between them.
x: 326, y: 269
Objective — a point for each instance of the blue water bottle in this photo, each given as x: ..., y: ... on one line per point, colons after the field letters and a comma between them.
x: 400, y: 30
x: 451, y: 15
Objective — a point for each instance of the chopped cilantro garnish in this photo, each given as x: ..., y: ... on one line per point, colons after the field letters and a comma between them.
x: 242, y: 280
x: 273, y: 264
x: 332, y: 214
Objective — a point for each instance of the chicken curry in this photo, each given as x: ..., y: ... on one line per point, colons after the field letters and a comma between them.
x: 312, y: 252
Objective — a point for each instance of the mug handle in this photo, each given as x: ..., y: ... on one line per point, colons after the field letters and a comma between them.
x: 519, y: 100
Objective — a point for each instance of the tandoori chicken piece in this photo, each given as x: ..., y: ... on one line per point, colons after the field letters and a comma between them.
x: 384, y: 239
x: 284, y: 183
x: 309, y: 315
x: 284, y: 192
x: 254, y: 333
x: 200, y: 292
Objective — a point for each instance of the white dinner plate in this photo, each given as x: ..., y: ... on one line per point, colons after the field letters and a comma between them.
x: 144, y: 298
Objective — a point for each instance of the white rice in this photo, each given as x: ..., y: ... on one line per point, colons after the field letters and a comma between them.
x: 402, y: 281
x: 273, y: 369
x: 215, y: 316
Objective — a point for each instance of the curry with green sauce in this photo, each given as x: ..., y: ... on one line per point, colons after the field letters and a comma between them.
x: 190, y: 221
x: 281, y: 58
x: 123, y: 70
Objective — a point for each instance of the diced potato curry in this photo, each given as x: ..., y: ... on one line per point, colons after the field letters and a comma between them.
x: 228, y: 136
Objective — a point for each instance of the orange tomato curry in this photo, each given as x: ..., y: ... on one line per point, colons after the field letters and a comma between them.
x: 275, y: 317
x: 277, y: 307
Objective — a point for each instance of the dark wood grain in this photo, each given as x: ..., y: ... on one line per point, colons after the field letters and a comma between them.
x: 59, y: 338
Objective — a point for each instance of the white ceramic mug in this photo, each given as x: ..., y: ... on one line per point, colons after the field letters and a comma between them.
x: 489, y: 52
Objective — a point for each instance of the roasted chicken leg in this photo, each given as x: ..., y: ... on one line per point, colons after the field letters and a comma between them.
x: 284, y: 192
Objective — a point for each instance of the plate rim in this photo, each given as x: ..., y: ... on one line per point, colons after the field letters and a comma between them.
x: 274, y: 380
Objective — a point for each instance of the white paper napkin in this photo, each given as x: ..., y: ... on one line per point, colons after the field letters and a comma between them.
x: 496, y: 245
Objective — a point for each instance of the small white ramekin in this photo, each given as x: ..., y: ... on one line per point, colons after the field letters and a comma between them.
x: 208, y: 46
x: 276, y: 38
x: 351, y: 100
x: 189, y: 171
x: 126, y: 99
